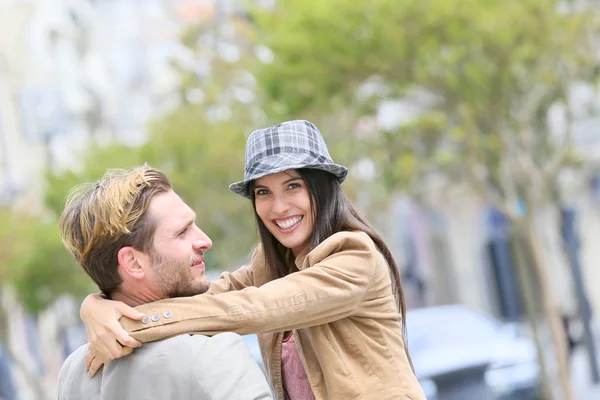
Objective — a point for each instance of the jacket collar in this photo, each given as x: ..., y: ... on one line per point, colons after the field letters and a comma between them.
x: 299, y: 261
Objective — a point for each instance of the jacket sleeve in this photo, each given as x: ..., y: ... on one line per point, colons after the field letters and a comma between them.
x: 332, y: 288
x: 239, y: 279
x: 225, y: 369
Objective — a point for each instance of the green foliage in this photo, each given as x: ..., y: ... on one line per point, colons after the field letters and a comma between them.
x: 42, y: 270
x: 483, y: 76
x: 6, y: 247
x: 93, y: 163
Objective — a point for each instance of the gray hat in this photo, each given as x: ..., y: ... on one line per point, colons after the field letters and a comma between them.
x: 289, y: 145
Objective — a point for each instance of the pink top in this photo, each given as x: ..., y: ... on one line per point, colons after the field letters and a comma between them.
x: 295, y: 382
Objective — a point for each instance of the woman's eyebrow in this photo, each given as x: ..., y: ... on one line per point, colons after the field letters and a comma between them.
x: 294, y: 178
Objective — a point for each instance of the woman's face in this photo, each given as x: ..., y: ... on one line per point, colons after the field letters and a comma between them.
x: 282, y: 202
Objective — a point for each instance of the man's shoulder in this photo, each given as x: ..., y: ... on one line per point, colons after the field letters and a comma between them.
x: 187, y: 349
x: 73, y: 381
x: 188, y: 341
x: 196, y: 352
x: 178, y: 367
x: 75, y: 360
x: 189, y: 360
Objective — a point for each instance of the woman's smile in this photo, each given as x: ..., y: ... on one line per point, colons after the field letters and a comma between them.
x: 287, y: 225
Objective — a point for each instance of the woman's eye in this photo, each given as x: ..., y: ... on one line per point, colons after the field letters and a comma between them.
x: 261, y: 192
x: 294, y: 186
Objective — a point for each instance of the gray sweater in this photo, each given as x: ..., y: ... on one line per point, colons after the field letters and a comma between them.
x: 182, y: 367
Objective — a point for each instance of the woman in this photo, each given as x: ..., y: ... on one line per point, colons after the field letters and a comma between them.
x: 322, y: 291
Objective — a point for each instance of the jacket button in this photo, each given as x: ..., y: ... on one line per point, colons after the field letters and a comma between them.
x: 145, y: 320
x: 168, y: 314
x: 155, y: 318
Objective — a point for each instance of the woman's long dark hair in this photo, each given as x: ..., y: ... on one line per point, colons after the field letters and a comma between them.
x: 332, y: 213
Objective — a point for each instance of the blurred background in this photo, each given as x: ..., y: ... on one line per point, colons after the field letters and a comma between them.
x: 471, y: 129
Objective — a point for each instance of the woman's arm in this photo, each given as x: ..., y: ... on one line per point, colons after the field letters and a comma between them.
x: 108, y: 340
x: 331, y: 289
x: 101, y: 318
x: 239, y: 279
x: 229, y: 281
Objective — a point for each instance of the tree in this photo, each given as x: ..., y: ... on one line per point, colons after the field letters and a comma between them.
x: 483, y: 79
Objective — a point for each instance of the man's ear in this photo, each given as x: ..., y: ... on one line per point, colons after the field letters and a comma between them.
x: 133, y: 262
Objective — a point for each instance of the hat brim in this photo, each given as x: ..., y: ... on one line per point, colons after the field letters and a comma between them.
x: 241, y: 188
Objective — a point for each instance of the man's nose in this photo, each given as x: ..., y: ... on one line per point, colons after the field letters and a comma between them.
x: 202, y: 242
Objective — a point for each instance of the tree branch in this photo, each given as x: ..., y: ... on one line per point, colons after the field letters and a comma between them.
x: 505, y: 174
x: 507, y: 181
x: 530, y: 169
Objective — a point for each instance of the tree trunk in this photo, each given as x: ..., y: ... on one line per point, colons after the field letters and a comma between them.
x: 552, y: 316
x: 530, y: 303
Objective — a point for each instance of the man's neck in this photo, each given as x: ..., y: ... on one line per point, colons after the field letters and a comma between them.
x: 135, y: 297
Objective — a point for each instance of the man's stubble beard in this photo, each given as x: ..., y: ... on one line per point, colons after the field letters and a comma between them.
x: 174, y: 277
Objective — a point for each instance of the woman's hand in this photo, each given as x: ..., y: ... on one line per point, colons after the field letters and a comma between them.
x: 108, y: 340
x: 93, y: 363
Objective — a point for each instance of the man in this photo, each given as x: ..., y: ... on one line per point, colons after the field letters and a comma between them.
x: 139, y: 242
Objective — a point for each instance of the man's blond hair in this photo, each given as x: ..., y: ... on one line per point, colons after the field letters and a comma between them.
x: 102, y: 217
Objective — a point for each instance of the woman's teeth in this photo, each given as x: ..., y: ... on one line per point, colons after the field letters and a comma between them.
x: 288, y: 223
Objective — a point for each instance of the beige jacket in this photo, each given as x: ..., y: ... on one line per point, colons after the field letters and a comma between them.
x: 340, y: 306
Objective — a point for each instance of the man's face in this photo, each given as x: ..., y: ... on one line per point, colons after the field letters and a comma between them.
x: 178, y: 250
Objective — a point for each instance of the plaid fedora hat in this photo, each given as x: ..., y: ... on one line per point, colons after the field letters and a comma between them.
x: 289, y: 145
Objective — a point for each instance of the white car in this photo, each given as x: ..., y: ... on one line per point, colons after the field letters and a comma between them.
x: 468, y: 354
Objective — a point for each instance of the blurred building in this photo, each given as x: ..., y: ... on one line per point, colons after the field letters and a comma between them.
x: 78, y: 73
x: 456, y: 248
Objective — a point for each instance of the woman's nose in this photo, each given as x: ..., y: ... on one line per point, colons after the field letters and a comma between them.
x: 280, y: 205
